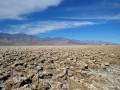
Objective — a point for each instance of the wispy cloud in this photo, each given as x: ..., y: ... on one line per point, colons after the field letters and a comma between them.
x: 46, y: 26
x: 11, y: 9
x: 112, y: 17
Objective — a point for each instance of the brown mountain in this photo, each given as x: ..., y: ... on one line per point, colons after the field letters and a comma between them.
x: 24, y: 39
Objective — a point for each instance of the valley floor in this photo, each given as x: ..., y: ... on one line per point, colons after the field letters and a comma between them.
x: 84, y: 67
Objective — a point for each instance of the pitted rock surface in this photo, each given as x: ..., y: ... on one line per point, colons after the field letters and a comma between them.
x: 60, y: 68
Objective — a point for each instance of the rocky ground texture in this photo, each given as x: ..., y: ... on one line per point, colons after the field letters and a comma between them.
x: 60, y: 68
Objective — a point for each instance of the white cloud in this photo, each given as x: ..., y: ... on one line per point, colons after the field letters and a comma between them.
x: 10, y: 9
x: 112, y: 17
x: 46, y: 26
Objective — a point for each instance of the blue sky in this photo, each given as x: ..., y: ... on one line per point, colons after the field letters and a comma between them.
x: 75, y: 19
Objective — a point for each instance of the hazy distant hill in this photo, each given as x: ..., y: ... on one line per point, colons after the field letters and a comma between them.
x: 23, y: 39
x: 14, y: 39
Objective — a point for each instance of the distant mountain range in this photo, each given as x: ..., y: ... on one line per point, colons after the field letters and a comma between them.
x: 24, y: 39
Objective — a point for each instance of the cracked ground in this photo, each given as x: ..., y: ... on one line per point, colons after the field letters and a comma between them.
x: 60, y: 67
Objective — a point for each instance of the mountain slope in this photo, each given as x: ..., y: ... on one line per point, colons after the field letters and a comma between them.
x: 16, y: 39
x: 23, y: 39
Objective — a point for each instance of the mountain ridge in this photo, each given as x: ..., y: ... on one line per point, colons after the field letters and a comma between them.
x: 24, y: 39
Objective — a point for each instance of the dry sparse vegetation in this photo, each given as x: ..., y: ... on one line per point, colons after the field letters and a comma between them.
x: 60, y: 68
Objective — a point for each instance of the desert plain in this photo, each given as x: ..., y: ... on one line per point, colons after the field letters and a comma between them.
x: 84, y: 67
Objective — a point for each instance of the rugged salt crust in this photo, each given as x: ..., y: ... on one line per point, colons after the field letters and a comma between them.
x: 60, y: 68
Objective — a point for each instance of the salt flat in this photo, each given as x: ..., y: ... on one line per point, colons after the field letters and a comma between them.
x: 84, y: 67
